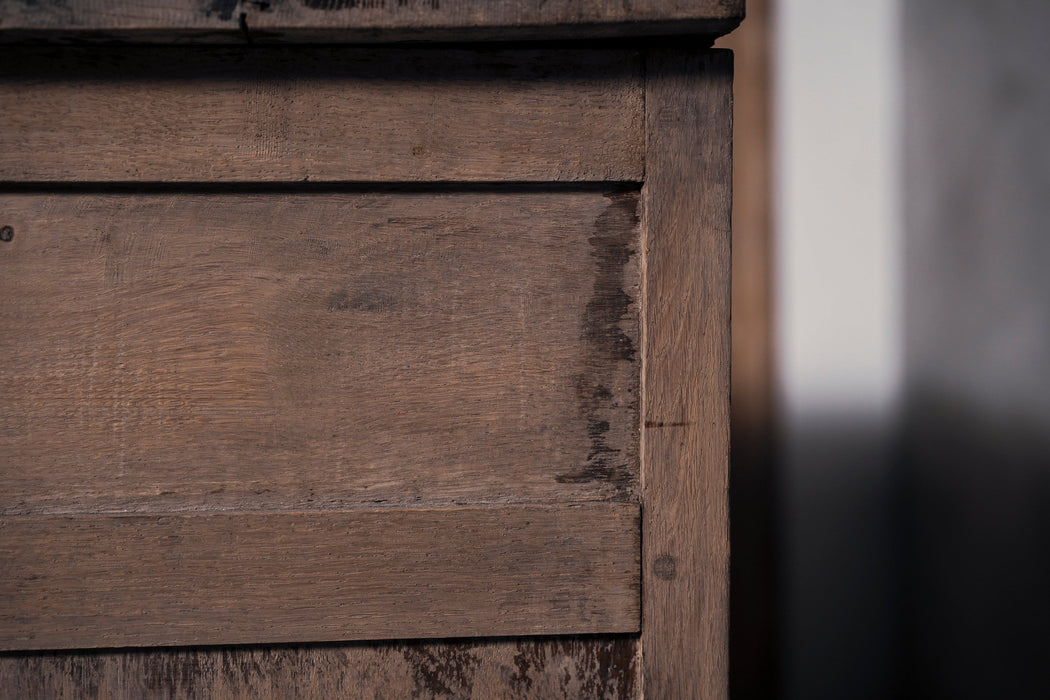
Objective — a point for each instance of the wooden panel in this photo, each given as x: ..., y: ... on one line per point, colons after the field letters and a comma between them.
x: 685, y: 440
x: 364, y: 20
x: 582, y: 668
x: 294, y: 351
x: 290, y: 115
x: 221, y: 578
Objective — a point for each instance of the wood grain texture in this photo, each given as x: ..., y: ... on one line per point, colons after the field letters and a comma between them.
x: 362, y: 20
x: 241, y: 578
x: 178, y: 352
x: 177, y: 114
x: 685, y: 438
x: 581, y: 668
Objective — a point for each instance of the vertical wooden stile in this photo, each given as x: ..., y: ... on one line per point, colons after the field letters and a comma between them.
x: 685, y: 436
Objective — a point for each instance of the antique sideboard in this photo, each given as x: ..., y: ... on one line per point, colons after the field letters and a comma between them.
x: 370, y: 348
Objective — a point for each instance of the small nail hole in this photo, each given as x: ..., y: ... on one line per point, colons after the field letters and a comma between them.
x: 6, y: 233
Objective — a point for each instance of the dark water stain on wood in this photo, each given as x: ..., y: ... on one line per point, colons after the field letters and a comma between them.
x: 614, y: 669
x: 343, y: 4
x: 613, y: 244
x: 607, y: 389
x: 164, y: 671
x: 223, y: 8
x: 61, y: 6
x: 368, y: 300
x: 604, y: 667
x: 441, y: 671
x: 577, y: 667
x: 370, y: 293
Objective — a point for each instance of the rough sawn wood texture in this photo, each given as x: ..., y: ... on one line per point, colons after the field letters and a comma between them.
x: 362, y: 20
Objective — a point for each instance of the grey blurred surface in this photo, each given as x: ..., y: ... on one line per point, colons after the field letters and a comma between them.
x: 974, y: 478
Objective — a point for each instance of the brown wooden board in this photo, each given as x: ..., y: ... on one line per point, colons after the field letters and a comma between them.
x: 179, y: 352
x: 166, y: 114
x: 685, y: 438
x: 362, y: 20
x: 580, y: 668
x: 237, y: 578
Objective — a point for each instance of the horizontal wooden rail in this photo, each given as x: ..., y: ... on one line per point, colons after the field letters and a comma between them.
x: 110, y: 581
x: 164, y: 114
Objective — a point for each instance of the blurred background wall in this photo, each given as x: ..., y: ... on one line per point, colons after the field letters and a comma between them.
x: 975, y: 475
x: 890, y: 484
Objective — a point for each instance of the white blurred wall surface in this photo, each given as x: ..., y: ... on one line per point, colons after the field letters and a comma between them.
x: 976, y: 470
x: 838, y: 337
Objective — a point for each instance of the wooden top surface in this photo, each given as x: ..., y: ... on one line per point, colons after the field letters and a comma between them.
x: 366, y: 21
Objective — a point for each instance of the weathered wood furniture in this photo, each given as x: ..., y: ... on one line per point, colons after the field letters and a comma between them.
x: 315, y: 343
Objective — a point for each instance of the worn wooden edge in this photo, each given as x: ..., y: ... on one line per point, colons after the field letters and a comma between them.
x: 363, y: 21
x: 244, y: 578
x: 685, y: 385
